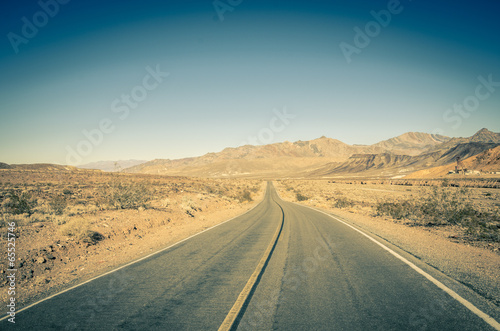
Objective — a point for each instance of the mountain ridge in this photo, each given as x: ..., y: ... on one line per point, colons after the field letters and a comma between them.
x: 111, y: 166
x: 297, y: 155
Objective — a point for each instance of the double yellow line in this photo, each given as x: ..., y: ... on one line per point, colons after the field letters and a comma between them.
x: 232, y: 319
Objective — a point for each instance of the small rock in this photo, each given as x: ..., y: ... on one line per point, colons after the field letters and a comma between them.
x: 41, y: 260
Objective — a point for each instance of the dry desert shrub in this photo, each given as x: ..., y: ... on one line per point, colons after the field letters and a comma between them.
x: 300, y: 197
x: 189, y: 207
x: 79, y: 229
x: 343, y: 203
x: 128, y: 195
x: 17, y: 204
x: 245, y: 196
x: 58, y: 204
x: 444, y: 207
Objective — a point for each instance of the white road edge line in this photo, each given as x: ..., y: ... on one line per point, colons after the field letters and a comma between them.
x: 485, y: 317
x: 130, y: 263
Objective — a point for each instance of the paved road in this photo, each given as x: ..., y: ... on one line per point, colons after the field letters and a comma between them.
x: 322, y: 275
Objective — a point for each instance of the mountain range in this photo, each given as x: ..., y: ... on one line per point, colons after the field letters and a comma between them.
x: 327, y: 157
x: 111, y: 166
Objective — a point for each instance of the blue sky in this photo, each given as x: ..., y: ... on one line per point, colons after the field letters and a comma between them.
x: 228, y: 78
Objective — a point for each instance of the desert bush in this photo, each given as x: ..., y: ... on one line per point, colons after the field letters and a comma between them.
x: 343, y: 203
x: 57, y: 204
x: 245, y: 196
x: 301, y: 197
x: 443, y: 207
x: 128, y: 196
x: 210, y: 190
x: 189, y: 206
x: 255, y: 187
x: 396, y: 210
x: 4, y: 221
x: 19, y: 204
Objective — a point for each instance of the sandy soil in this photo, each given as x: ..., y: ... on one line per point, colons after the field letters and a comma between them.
x: 476, y: 265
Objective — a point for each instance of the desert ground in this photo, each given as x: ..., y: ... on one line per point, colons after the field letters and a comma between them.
x: 73, y: 225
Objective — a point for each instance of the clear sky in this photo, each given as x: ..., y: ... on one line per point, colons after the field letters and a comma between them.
x: 83, y: 81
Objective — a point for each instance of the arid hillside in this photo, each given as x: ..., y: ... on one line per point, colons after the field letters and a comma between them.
x: 412, y: 143
x: 285, y: 159
x: 111, y: 166
x: 40, y: 167
x: 328, y: 158
x: 392, y: 165
x: 484, y: 162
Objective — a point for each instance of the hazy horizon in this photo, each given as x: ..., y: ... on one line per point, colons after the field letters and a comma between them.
x: 152, y: 79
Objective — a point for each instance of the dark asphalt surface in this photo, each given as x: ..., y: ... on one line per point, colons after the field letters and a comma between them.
x: 322, y: 276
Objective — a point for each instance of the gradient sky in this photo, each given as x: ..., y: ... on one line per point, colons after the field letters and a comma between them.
x: 227, y: 78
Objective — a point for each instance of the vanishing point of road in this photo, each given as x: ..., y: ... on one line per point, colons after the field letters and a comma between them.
x: 314, y: 272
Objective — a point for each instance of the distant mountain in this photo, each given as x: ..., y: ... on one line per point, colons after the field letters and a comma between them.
x: 486, y: 136
x: 286, y: 158
x: 111, y: 166
x: 412, y: 143
x: 434, y: 155
x: 482, y: 136
x: 389, y: 165
x: 362, y: 163
x: 38, y: 166
x: 487, y: 161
